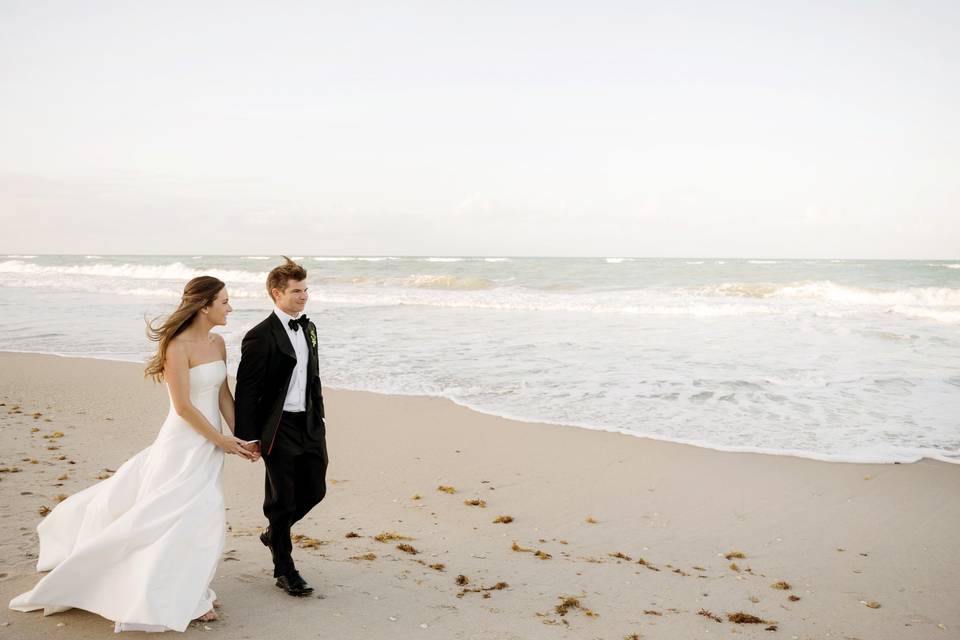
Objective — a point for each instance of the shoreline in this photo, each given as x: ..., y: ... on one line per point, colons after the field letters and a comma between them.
x: 799, y: 454
x: 639, y: 531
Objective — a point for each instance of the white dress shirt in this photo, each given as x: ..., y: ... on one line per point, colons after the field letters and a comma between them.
x: 296, y: 399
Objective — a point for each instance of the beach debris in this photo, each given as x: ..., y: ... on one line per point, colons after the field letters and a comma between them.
x: 406, y: 548
x: 462, y: 580
x: 34, y: 461
x: 782, y: 585
x: 873, y: 604
x: 475, y: 502
x: 60, y: 497
x: 696, y: 568
x: 352, y: 534
x: 566, y: 605
x: 52, y: 447
x: 43, y: 510
x: 306, y: 542
x: 621, y: 556
x: 416, y: 496
x: 54, y: 435
x: 37, y: 415
x: 646, y: 564
x: 745, y: 618
x: 446, y: 489
x: 364, y: 556
x: 438, y: 566
x: 484, y: 590
x: 387, y: 536
x: 632, y: 636
x: 735, y: 567
x: 708, y: 614
x: 739, y: 555
x: 772, y: 627
x: 332, y: 481
x: 793, y: 598
x: 754, y: 599
x: 543, y: 555
x: 34, y: 429
x: 61, y: 457
x: 503, y: 520
x: 103, y: 475
x: 591, y: 520
x: 680, y: 571
x: 571, y: 603
x: 652, y: 612
x: 10, y: 469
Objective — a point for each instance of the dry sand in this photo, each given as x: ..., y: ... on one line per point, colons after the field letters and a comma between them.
x: 841, y: 535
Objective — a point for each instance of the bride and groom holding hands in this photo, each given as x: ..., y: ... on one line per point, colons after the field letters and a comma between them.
x: 142, y: 547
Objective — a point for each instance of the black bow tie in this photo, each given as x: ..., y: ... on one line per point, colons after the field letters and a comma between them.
x: 295, y: 325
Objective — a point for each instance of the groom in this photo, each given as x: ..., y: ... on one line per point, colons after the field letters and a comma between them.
x: 279, y: 407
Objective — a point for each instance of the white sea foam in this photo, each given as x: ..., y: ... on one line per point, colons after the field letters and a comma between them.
x: 20, y: 256
x: 496, y: 259
x: 444, y: 259
x: 763, y: 261
x: 615, y: 260
x: 826, y: 290
x: 93, y: 257
x: 174, y: 271
x: 333, y: 258
x: 949, y: 317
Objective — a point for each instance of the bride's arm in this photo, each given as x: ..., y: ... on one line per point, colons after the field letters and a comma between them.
x: 226, y: 398
x: 176, y: 372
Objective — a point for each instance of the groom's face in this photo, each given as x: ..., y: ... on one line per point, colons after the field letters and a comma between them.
x: 293, y: 298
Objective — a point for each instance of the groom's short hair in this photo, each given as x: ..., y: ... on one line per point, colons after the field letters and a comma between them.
x: 280, y: 275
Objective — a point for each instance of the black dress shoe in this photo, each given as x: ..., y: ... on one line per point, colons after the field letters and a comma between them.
x: 265, y: 537
x: 294, y: 584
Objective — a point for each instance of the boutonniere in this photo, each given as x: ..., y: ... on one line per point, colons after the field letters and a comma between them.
x: 313, y: 336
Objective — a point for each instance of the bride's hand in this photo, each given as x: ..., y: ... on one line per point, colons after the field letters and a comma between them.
x: 234, y: 445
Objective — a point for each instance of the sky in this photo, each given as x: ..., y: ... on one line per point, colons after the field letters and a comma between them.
x: 687, y: 129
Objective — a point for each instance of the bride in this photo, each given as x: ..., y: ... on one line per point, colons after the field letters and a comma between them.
x: 141, y: 547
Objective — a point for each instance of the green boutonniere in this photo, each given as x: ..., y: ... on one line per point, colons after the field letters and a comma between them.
x: 313, y: 337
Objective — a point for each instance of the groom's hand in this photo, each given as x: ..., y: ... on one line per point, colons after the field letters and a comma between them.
x: 254, y: 449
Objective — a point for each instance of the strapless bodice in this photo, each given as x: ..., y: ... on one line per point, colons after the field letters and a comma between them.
x: 205, y: 381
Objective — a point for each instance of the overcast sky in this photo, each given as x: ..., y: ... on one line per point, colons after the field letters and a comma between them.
x: 740, y: 129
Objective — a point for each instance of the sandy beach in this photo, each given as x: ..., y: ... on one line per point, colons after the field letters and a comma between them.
x: 639, y: 538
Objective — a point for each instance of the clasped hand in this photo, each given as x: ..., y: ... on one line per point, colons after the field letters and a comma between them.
x: 247, y: 450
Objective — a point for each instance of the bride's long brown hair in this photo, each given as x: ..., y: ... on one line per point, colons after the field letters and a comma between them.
x: 197, y: 294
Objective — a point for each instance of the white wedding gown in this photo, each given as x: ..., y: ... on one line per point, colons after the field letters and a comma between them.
x: 141, y: 547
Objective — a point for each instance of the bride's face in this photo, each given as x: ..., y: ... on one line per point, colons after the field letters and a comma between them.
x: 218, y: 311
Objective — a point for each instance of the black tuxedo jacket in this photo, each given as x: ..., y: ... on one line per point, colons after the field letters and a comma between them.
x: 267, y: 361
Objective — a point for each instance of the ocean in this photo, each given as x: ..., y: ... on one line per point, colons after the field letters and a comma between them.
x: 850, y: 360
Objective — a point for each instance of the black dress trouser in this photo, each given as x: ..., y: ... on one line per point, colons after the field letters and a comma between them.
x: 295, y: 483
